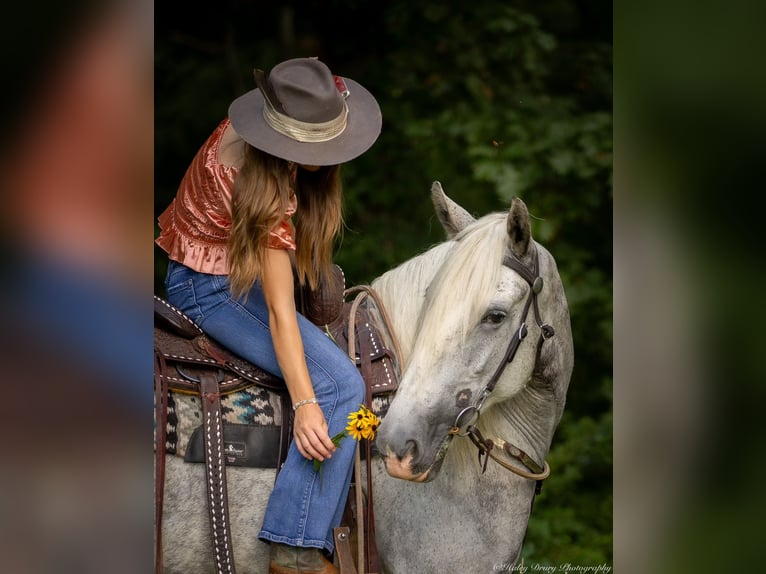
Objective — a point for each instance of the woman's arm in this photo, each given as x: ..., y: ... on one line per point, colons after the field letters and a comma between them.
x: 310, y: 427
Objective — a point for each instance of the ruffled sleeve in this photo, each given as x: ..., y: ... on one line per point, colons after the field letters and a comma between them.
x: 196, y: 225
x: 282, y: 236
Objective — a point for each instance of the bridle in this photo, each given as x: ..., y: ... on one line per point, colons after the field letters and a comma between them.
x: 467, y: 419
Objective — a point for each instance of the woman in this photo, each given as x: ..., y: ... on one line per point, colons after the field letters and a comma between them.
x: 233, y: 251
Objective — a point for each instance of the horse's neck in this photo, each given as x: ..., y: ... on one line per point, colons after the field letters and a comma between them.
x: 525, y: 421
x: 531, y: 418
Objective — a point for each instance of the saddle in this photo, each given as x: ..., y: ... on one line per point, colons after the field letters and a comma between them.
x: 188, y: 361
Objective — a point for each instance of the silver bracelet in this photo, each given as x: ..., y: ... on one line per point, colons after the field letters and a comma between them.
x: 304, y: 402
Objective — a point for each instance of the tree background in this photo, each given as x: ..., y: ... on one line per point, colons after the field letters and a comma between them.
x: 493, y: 98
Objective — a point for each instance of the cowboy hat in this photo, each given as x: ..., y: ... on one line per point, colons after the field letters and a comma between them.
x: 302, y: 113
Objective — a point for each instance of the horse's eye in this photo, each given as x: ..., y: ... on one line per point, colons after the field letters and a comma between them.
x: 493, y: 317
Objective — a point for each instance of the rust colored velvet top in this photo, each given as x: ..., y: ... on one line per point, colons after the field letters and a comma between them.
x: 196, y: 225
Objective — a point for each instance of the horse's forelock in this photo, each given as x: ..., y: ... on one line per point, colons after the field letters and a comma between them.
x: 464, y: 285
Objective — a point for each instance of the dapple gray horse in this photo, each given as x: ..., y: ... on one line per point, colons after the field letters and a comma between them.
x: 454, y: 309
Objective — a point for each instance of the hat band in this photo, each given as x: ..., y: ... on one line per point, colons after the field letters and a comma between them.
x: 305, y: 131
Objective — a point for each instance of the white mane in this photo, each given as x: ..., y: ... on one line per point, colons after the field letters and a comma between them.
x: 454, y: 283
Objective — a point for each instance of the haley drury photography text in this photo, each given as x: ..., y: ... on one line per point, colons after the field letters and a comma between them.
x: 565, y: 568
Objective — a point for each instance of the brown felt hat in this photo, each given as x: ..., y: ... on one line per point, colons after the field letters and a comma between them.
x: 302, y: 113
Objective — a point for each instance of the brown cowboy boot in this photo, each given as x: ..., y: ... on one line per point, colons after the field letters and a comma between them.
x: 296, y: 560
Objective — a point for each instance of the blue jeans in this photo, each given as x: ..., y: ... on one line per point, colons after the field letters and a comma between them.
x: 304, y: 506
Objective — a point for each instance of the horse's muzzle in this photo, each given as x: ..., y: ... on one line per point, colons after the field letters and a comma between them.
x: 410, y: 464
x: 401, y: 466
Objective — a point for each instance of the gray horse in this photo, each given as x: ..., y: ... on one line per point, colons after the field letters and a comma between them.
x: 454, y: 310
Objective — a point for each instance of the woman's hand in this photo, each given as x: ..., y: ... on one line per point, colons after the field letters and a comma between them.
x: 311, y: 434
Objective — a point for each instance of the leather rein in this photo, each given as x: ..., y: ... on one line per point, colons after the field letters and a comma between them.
x: 468, y: 418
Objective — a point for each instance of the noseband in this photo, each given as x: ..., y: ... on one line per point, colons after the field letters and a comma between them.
x: 467, y: 419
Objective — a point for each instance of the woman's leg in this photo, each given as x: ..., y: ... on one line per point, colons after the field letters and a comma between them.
x: 305, y: 505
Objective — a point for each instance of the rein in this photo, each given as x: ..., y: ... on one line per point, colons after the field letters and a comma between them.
x: 468, y: 418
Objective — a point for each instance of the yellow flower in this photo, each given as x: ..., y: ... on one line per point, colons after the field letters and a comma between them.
x: 370, y: 430
x: 354, y: 430
x: 361, y: 424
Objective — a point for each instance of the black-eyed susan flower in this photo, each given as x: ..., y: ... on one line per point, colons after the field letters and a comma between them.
x: 354, y: 430
x: 361, y: 424
x: 369, y: 431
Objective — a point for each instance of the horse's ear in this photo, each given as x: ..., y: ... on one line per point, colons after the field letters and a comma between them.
x: 452, y: 217
x: 519, y: 231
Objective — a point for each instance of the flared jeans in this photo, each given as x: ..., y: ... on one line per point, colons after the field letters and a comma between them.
x: 305, y: 505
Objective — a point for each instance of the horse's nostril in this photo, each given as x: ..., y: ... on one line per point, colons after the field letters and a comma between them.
x: 410, y: 448
x: 408, y: 451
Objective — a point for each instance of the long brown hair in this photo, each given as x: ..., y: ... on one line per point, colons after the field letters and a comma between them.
x: 260, y: 198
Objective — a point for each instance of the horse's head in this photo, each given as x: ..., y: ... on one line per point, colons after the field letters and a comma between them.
x: 473, y: 304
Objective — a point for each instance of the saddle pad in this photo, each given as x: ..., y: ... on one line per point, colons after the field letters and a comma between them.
x: 253, y: 406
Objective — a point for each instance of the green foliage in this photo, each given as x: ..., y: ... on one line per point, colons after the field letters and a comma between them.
x: 494, y: 99
x: 578, y: 532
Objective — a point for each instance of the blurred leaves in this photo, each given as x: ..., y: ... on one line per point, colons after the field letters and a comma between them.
x: 578, y: 532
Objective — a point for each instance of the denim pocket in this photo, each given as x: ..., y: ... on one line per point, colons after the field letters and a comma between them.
x: 180, y: 294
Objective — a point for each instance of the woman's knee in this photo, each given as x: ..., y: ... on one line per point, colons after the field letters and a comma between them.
x: 354, y: 387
